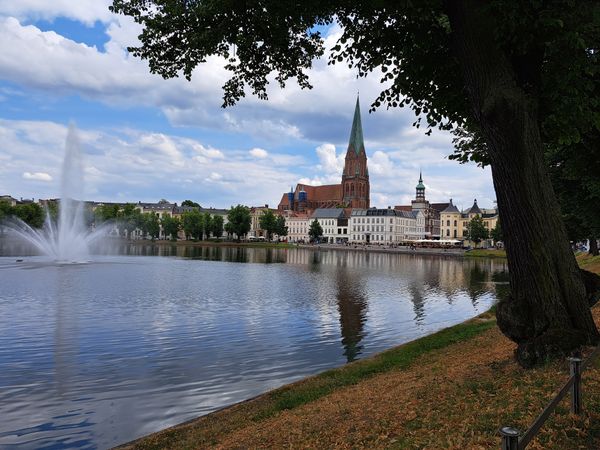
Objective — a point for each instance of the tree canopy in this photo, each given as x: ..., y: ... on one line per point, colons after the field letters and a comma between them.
x: 239, y: 221
x: 268, y: 222
x: 477, y: 230
x: 315, y: 231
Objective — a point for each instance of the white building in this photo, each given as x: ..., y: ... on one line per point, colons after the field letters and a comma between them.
x: 297, y: 225
x: 385, y: 226
x: 334, y: 224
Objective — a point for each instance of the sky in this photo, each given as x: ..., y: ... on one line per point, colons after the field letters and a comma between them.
x: 145, y: 138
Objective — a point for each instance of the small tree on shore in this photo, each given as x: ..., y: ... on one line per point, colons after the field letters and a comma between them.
x: 217, y: 226
x: 268, y: 222
x: 477, y: 230
x: 496, y: 233
x: 315, y: 232
x: 280, y: 228
x: 170, y: 225
x: 152, y: 225
x: 239, y: 221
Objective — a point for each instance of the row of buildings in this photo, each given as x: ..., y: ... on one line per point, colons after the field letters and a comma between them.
x: 344, y: 210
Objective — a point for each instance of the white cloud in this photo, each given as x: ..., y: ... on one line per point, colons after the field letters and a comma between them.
x: 258, y: 153
x: 86, y: 11
x: 38, y: 176
x: 137, y: 165
x: 330, y: 162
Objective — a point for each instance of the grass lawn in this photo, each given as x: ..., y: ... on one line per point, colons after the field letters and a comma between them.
x: 485, y: 253
x: 452, y: 389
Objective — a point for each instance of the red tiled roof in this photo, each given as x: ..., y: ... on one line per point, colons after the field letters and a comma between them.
x: 403, y: 207
x: 328, y: 192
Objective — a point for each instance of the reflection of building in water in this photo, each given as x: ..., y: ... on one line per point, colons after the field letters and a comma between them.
x: 352, y: 306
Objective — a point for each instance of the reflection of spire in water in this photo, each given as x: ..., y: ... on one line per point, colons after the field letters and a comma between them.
x: 418, y: 300
x: 352, y: 305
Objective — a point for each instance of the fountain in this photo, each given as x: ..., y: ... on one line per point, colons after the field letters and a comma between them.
x: 66, y: 239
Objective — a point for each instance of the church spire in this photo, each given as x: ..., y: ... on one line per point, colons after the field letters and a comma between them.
x: 356, y: 135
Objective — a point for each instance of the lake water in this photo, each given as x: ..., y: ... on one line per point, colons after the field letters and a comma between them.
x: 94, y: 355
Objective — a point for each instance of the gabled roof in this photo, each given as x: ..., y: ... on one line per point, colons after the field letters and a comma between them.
x: 451, y: 208
x: 356, y: 141
x: 474, y: 209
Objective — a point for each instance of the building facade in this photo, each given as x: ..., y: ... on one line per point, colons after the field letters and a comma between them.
x: 297, y: 225
x: 454, y: 223
x: 431, y: 211
x: 334, y: 223
x: 385, y: 226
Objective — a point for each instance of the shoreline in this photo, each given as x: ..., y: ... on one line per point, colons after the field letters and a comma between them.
x: 385, y: 401
x: 291, y: 395
x: 451, y: 252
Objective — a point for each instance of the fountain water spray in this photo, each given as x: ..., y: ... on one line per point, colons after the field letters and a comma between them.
x: 68, y: 239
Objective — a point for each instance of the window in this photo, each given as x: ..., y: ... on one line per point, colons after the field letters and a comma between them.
x: 455, y: 223
x: 447, y: 223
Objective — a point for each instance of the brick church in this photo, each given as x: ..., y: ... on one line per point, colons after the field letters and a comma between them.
x: 352, y: 192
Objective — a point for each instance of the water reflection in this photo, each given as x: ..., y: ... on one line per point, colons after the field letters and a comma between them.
x: 96, y: 355
x: 352, y: 306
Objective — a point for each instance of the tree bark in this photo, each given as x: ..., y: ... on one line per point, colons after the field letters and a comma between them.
x: 547, y: 313
x: 593, y: 246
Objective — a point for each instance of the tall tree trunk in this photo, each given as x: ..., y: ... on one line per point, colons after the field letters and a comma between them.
x: 593, y: 246
x: 547, y: 313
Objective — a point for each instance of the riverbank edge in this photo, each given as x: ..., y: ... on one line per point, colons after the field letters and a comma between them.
x: 209, y: 430
x: 476, y: 253
x: 201, y: 430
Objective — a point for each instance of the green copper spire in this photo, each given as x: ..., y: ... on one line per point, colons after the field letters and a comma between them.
x: 420, y: 185
x: 356, y: 135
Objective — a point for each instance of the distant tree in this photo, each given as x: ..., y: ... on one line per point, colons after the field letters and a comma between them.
x: 268, y: 222
x: 105, y: 212
x: 239, y: 220
x: 151, y: 225
x: 280, y: 228
x: 6, y: 210
x: 496, y: 233
x: 30, y: 213
x: 190, y: 203
x: 127, y: 210
x: 163, y: 201
x: 217, y: 226
x: 192, y: 224
x: 477, y: 230
x: 207, y: 222
x: 315, y: 232
x: 228, y: 229
x: 170, y: 225
x: 52, y: 210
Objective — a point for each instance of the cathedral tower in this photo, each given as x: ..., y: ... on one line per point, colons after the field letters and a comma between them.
x: 355, y: 179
